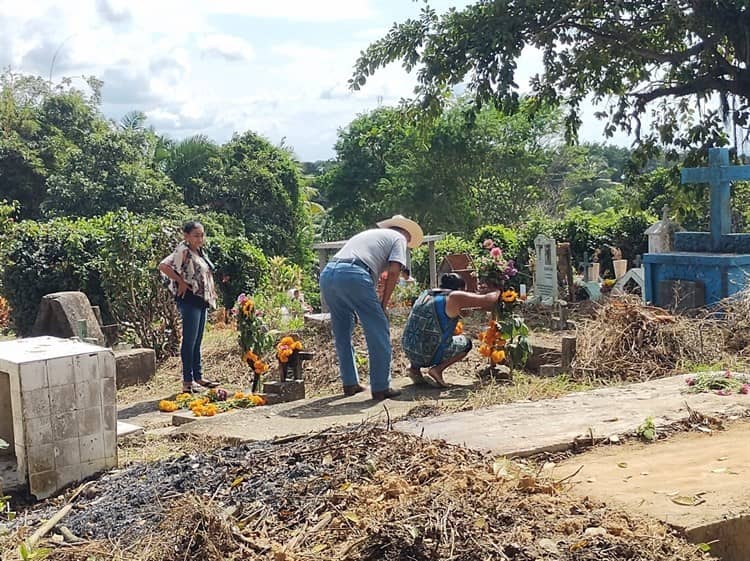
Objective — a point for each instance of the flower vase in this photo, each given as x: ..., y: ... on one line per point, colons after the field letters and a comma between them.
x: 287, y: 369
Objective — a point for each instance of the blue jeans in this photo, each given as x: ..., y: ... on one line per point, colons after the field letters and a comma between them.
x: 193, y: 324
x: 348, y: 290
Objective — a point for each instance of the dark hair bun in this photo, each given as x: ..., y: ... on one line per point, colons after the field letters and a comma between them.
x: 452, y: 281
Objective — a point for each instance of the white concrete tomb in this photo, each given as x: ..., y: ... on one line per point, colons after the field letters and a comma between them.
x: 57, y: 411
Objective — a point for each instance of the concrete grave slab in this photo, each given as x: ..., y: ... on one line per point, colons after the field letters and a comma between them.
x: 299, y: 417
x: 127, y: 429
x: 134, y: 366
x: 532, y: 427
x: 695, y: 482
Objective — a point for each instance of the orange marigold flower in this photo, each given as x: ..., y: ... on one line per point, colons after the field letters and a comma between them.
x: 459, y: 329
x: 497, y: 357
x: 167, y: 406
x: 485, y: 350
x: 297, y: 346
x: 257, y: 400
x: 509, y: 296
x: 239, y: 395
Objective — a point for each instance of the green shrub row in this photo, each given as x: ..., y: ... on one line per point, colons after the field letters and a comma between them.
x: 113, y: 260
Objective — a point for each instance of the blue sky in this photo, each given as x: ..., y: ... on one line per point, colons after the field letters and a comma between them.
x: 277, y: 67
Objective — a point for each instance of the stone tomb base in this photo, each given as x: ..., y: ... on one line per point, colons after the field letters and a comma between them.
x: 718, y: 275
x: 57, y: 412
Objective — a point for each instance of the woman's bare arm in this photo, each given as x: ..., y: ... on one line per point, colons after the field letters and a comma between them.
x: 459, y: 300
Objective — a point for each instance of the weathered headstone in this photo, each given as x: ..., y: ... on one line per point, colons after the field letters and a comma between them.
x: 60, y: 313
x: 545, y: 274
x: 660, y: 235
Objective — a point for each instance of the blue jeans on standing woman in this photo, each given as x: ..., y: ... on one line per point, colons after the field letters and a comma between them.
x: 348, y: 289
x: 193, y: 323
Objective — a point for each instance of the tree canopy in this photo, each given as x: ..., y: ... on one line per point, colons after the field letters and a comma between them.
x: 673, y: 57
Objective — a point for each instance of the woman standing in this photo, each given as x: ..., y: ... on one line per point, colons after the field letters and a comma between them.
x: 192, y: 284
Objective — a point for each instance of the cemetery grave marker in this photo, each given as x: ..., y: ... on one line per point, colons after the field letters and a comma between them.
x: 545, y: 274
x: 716, y: 262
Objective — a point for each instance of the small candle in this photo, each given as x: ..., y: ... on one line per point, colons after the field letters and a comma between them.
x: 522, y: 290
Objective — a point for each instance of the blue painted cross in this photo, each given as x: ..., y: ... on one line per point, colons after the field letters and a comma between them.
x: 719, y: 174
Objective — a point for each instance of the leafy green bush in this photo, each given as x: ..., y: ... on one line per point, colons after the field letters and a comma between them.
x: 41, y: 258
x: 450, y: 244
x: 503, y: 237
x: 132, y: 247
x: 584, y: 230
x: 627, y: 233
x: 240, y: 267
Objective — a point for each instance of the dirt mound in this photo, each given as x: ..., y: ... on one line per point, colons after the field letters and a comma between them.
x: 355, y: 493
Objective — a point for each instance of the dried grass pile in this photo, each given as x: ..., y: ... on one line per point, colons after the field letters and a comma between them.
x: 361, y: 494
x: 735, y: 319
x: 630, y: 341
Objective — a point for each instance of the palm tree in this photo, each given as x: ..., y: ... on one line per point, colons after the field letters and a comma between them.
x: 133, y: 121
x: 186, y: 160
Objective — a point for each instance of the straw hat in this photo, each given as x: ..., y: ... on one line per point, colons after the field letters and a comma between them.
x: 399, y: 221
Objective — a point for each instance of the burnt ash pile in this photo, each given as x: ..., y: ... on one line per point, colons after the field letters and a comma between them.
x: 351, y: 493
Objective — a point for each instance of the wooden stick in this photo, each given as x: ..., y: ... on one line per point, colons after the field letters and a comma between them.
x: 47, y: 526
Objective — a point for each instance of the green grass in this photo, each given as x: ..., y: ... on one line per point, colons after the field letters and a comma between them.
x: 524, y: 386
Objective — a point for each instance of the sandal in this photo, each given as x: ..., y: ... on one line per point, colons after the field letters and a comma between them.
x: 192, y: 388
x: 436, y: 380
x: 207, y: 383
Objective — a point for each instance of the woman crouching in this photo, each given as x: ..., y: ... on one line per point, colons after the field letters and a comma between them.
x: 429, y: 340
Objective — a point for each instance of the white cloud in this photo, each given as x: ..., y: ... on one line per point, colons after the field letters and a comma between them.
x: 228, y: 47
x: 296, y: 10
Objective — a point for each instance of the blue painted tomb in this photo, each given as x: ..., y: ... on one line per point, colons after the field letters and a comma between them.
x: 719, y: 259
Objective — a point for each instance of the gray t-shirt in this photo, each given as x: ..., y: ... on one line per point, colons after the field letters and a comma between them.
x: 376, y: 248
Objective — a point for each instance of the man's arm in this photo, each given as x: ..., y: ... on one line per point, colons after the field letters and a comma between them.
x: 394, y: 271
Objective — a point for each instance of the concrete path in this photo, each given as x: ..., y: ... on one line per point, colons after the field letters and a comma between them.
x: 694, y: 481
x: 299, y: 417
x: 527, y: 428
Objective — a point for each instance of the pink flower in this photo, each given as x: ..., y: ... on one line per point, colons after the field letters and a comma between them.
x: 728, y: 373
x: 690, y: 381
x: 496, y: 252
x: 241, y: 298
x: 745, y: 389
x: 488, y: 244
x: 723, y: 392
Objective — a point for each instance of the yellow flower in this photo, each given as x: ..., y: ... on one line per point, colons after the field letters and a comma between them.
x: 182, y: 397
x: 459, y: 329
x: 485, y: 350
x: 239, y: 395
x: 509, y: 296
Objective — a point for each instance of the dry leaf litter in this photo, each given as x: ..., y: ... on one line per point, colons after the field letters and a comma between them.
x: 357, y: 493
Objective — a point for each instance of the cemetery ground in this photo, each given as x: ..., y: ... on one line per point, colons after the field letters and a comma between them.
x: 367, y: 492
